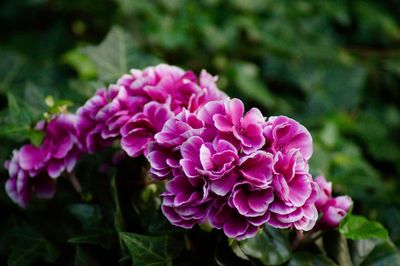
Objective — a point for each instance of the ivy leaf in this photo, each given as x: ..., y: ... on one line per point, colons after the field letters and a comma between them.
x: 116, y: 55
x: 27, y: 246
x: 271, y: 246
x: 95, y: 236
x: 357, y: 227
x: 310, y: 259
x: 151, y: 250
x: 84, y: 258
x: 374, y: 252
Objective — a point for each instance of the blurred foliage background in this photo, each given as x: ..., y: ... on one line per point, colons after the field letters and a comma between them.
x: 332, y: 65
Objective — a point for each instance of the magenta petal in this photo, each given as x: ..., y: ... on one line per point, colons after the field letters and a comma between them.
x: 55, y: 168
x: 30, y: 157
x: 300, y: 189
x: 235, y: 227
x: 235, y: 109
x: 259, y: 200
x: 222, y: 123
x: 224, y: 185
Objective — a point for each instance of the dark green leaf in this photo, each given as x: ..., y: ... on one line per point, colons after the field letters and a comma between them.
x: 27, y: 246
x: 87, y: 214
x: 271, y: 246
x: 151, y: 250
x: 116, y: 55
x: 83, y: 257
x: 375, y: 252
x: 310, y: 259
x: 335, y: 245
x: 357, y: 227
x: 95, y: 236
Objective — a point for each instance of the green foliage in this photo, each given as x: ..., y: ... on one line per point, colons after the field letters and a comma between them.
x: 333, y: 65
x: 271, y: 246
x: 27, y: 246
x: 151, y: 250
x: 357, y: 227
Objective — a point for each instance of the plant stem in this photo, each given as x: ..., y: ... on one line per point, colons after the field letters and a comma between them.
x: 75, y: 182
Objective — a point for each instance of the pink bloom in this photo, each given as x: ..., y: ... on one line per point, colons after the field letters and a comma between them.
x: 118, y: 111
x: 334, y: 210
x: 163, y: 83
x: 245, y: 128
x: 250, y: 201
x: 20, y: 186
x: 256, y: 168
x: 292, y: 182
x: 286, y: 215
x: 61, y: 145
x: 325, y: 188
x: 178, y: 129
x: 139, y: 131
x: 215, y: 161
x: 90, y: 127
x: 234, y: 225
x: 164, y: 162
x: 283, y: 134
x: 186, y: 203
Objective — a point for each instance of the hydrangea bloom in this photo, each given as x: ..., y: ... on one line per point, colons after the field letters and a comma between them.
x: 21, y: 185
x: 256, y: 171
x: 222, y: 165
x: 32, y: 168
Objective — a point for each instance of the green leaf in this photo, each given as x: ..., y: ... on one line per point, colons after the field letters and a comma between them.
x: 87, y: 214
x: 374, y: 252
x: 246, y: 78
x: 84, y: 258
x: 27, y: 246
x: 357, y: 227
x: 95, y: 236
x: 335, y: 245
x: 310, y: 259
x: 151, y: 250
x: 10, y: 66
x: 85, y: 68
x: 271, y: 246
x: 116, y: 55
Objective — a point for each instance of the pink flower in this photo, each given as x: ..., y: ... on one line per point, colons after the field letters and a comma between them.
x: 164, y: 162
x: 292, y: 182
x: 186, y: 203
x: 286, y: 215
x: 283, y: 134
x: 61, y: 145
x: 334, y: 210
x: 256, y: 168
x: 89, y: 125
x: 325, y: 189
x: 164, y: 83
x: 234, y: 225
x: 20, y: 186
x: 245, y: 128
x: 179, y: 128
x: 139, y: 131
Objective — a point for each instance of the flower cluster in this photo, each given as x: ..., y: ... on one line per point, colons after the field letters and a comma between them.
x: 33, y: 169
x: 133, y: 110
x: 235, y: 170
x: 137, y: 106
x: 232, y: 169
x: 333, y: 209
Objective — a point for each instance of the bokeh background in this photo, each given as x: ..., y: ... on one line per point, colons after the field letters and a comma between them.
x: 332, y: 65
